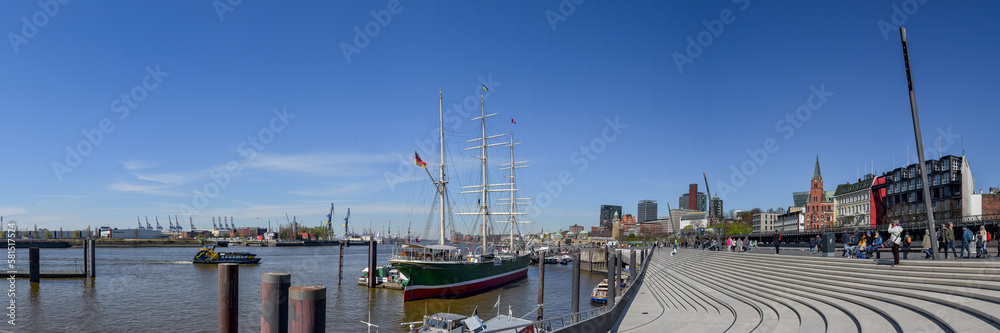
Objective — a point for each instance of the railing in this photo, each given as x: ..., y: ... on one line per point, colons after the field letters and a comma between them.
x: 568, y: 321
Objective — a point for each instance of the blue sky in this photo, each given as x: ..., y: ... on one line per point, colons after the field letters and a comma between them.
x: 179, y: 91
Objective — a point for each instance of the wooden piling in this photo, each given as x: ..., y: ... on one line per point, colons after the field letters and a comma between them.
x: 574, y: 307
x: 86, y: 258
x: 229, y: 297
x: 372, y: 253
x: 618, y: 269
x: 33, y: 264
x: 340, y: 267
x: 274, y: 302
x: 541, y: 283
x: 632, y: 273
x: 307, y: 309
x: 612, y: 281
x: 93, y: 258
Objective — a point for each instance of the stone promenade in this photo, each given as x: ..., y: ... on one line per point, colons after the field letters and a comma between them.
x: 701, y: 291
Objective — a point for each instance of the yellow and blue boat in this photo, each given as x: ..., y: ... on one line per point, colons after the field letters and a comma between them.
x: 207, y: 255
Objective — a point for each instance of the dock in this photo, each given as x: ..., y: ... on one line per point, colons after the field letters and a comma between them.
x: 49, y: 274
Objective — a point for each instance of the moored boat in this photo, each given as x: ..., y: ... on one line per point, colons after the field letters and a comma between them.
x: 443, y: 270
x: 600, y: 293
x: 207, y: 255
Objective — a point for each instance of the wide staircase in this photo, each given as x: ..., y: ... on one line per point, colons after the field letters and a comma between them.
x: 701, y: 291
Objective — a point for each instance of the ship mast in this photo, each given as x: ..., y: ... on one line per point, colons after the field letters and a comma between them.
x: 441, y: 181
x: 484, y: 188
x: 512, y: 220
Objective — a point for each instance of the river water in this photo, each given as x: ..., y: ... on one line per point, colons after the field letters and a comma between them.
x: 158, y: 289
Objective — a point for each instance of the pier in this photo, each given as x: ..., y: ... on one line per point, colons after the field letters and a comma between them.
x: 35, y: 273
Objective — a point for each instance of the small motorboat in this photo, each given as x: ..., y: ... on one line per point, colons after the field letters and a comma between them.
x: 207, y: 255
x: 454, y: 323
x: 383, y: 275
x: 600, y: 293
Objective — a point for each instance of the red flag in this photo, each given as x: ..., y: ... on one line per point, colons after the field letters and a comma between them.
x: 512, y: 121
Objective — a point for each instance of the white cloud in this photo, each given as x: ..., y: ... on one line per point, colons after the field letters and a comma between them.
x: 140, y: 164
x: 13, y: 210
x: 139, y: 189
x: 173, y: 178
x: 323, y: 163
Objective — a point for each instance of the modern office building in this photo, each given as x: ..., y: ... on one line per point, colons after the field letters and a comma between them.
x: 647, y: 211
x: 700, y: 204
x: 951, y: 191
x: 764, y: 222
x: 716, y: 207
x: 607, y: 213
x: 790, y: 222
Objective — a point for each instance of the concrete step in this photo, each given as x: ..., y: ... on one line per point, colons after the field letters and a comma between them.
x: 888, y: 280
x: 913, y: 322
x: 954, y: 311
x: 835, y: 316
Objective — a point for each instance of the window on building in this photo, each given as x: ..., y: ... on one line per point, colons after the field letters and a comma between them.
x: 945, y: 166
x: 912, y: 197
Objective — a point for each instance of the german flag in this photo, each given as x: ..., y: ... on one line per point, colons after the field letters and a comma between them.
x: 416, y: 159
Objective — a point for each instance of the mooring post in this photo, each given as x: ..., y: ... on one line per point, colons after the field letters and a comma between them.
x: 575, y: 306
x: 33, y: 257
x: 307, y: 309
x: 632, y: 269
x: 541, y: 283
x: 229, y: 297
x: 274, y: 302
x: 612, y: 281
x: 619, y: 261
x: 340, y: 267
x: 372, y: 252
x: 86, y: 258
x: 93, y: 258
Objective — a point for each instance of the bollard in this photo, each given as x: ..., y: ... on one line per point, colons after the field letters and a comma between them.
x: 86, y: 258
x: 612, y: 286
x: 307, y: 309
x: 541, y: 282
x: 372, y: 254
x: 618, y: 269
x: 33, y: 258
x: 93, y: 258
x: 229, y: 297
x: 274, y: 302
x: 574, y: 307
x: 633, y: 273
x: 340, y: 267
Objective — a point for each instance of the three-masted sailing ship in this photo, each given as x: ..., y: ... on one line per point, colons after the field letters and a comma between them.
x: 444, y: 270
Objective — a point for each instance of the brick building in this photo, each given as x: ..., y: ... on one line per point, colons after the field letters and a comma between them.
x: 819, y: 210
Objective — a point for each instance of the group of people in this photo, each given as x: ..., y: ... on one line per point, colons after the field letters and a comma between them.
x: 858, y: 245
x: 744, y: 244
x: 979, y: 239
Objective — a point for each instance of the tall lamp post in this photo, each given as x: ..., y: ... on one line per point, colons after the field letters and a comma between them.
x: 920, y: 143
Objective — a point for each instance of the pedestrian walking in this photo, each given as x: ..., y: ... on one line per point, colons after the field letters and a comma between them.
x: 819, y: 243
x: 949, y: 240
x: 895, y: 231
x: 940, y: 240
x: 905, y: 246
x: 983, y: 238
x: 812, y: 244
x: 927, y: 244
x: 777, y: 242
x: 967, y: 237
